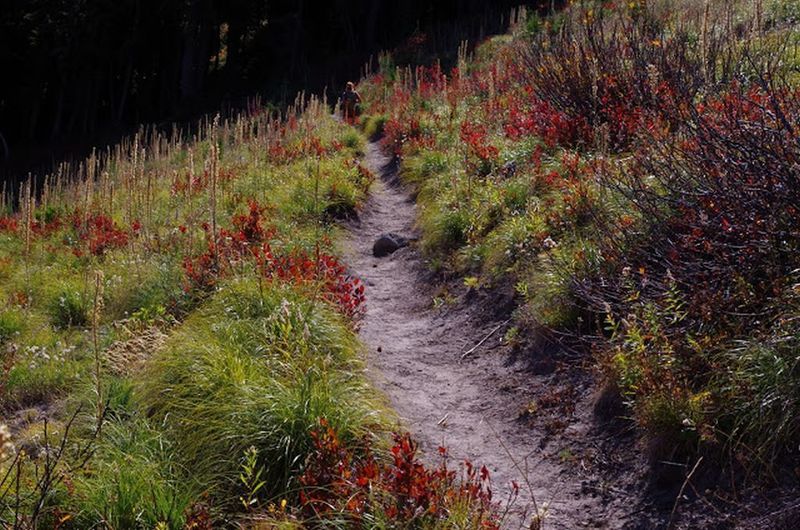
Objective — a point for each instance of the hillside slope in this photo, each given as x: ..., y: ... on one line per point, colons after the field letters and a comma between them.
x: 179, y: 346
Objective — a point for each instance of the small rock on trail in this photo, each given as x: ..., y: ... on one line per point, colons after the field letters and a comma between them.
x: 387, y: 244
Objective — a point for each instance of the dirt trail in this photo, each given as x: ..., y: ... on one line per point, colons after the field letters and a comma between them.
x: 472, y: 407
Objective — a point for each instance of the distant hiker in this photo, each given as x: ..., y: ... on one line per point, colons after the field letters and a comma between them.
x: 350, y: 101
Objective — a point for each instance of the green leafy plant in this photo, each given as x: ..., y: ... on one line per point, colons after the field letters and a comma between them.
x: 69, y: 308
x: 250, y: 479
x: 10, y: 325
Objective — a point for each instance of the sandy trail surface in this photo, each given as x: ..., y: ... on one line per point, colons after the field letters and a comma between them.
x: 475, y: 406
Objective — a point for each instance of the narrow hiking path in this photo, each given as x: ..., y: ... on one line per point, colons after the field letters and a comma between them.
x: 472, y: 406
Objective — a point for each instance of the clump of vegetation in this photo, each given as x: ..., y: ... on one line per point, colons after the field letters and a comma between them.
x: 366, y: 490
x: 10, y: 325
x: 256, y: 368
x: 373, y: 125
x: 68, y: 308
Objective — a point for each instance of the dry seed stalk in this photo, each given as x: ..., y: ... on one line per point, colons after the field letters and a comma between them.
x: 213, y: 198
x: 96, y: 309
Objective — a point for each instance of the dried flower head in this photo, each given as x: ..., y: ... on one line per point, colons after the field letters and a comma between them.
x: 6, y: 446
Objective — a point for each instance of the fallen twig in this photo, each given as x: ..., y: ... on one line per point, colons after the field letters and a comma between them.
x: 538, y: 519
x: 484, y: 339
x: 680, y: 493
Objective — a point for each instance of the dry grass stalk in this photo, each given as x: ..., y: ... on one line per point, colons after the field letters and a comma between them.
x: 96, y: 313
x: 28, y: 202
x: 704, y: 40
x: 213, y: 192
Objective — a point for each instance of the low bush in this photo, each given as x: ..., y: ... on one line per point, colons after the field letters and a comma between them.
x: 367, y: 490
x: 353, y: 141
x: 710, y: 267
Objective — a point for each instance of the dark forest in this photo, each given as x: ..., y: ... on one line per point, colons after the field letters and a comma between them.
x: 85, y: 72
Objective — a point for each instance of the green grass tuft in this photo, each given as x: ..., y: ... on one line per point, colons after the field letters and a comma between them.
x: 256, y: 369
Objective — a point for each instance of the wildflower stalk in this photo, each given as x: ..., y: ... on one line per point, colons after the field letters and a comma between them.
x: 97, y: 307
x: 213, y: 194
x: 28, y: 206
x: 191, y: 175
x: 45, y: 192
x: 316, y: 211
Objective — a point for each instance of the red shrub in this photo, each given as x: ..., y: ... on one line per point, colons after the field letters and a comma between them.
x: 46, y: 228
x: 398, y: 131
x: 201, y: 272
x: 543, y: 120
x: 338, y: 481
x: 723, y: 231
x: 322, y: 271
x: 8, y: 224
x: 248, y: 226
x: 476, y: 138
x: 250, y: 240
x: 100, y: 231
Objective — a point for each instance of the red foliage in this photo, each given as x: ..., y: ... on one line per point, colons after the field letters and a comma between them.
x: 8, y: 224
x: 250, y: 240
x: 338, y: 481
x: 397, y: 132
x: 11, y: 225
x: 476, y: 137
x: 195, y: 183
x: 283, y: 153
x: 198, y: 517
x: 101, y: 232
x: 46, y: 228
x: 322, y: 271
x: 201, y: 272
x: 431, y: 80
x: 19, y: 298
x: 541, y: 119
x: 248, y: 227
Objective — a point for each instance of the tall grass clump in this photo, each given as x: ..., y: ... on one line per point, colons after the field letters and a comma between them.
x: 373, y: 125
x: 257, y: 369
x: 69, y: 307
x: 134, y: 482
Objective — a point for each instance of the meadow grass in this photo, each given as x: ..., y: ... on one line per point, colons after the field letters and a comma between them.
x: 254, y: 361
x: 178, y: 329
x: 257, y: 368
